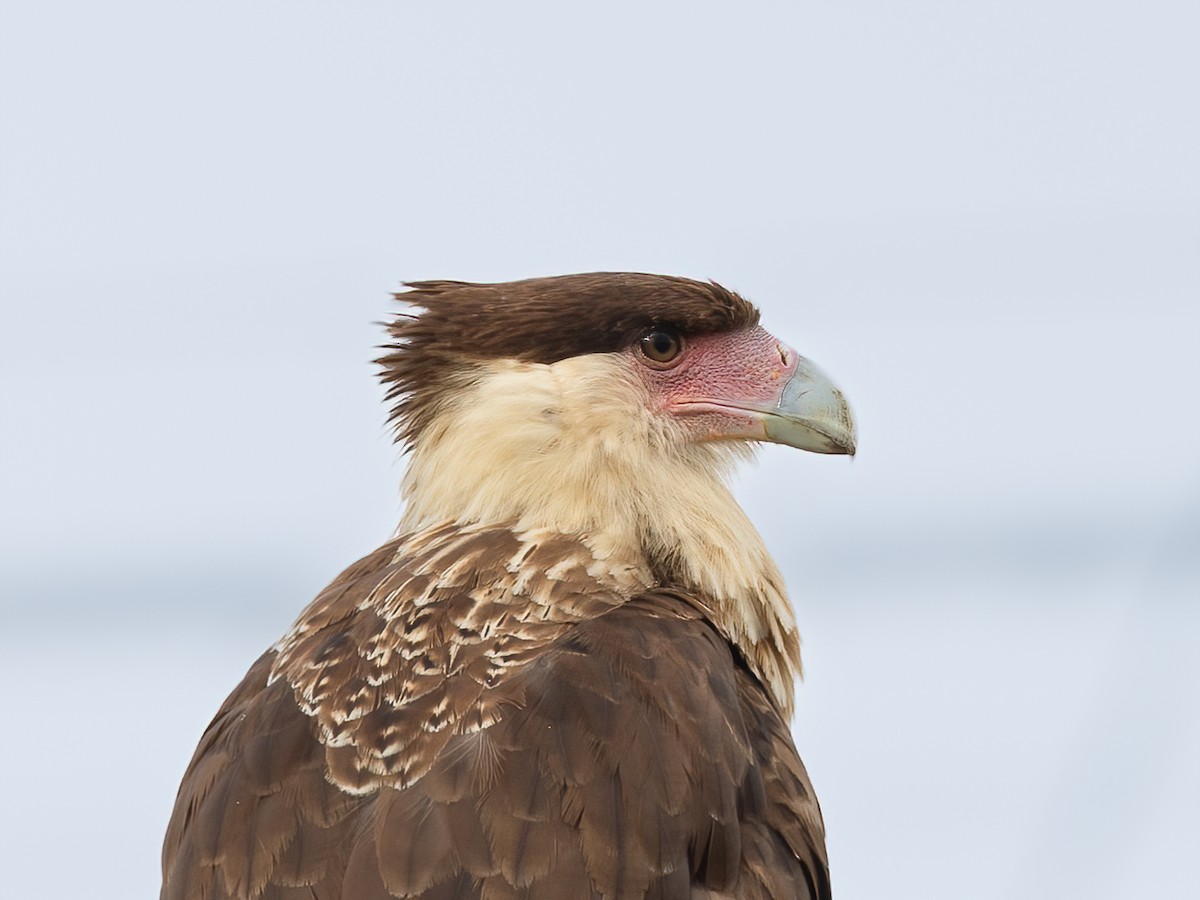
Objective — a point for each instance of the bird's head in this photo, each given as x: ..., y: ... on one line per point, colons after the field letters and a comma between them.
x: 608, y: 406
x: 535, y: 400
x: 689, y: 359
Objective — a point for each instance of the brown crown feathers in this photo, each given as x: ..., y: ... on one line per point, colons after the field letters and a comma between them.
x: 539, y: 320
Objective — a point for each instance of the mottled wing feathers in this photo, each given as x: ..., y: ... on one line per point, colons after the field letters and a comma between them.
x: 394, y: 663
x: 578, y: 743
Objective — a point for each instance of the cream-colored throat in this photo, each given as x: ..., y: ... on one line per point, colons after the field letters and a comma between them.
x: 577, y: 447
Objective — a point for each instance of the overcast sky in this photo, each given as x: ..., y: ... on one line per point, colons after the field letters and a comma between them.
x: 983, y: 219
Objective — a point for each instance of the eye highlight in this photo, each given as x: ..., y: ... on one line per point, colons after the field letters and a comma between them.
x: 661, y: 347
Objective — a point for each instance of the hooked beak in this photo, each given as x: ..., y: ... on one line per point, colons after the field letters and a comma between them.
x: 810, y: 413
x: 750, y: 386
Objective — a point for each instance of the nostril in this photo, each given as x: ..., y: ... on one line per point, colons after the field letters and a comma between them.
x: 783, y: 354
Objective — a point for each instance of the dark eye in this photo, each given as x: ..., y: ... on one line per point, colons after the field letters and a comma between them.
x: 661, y: 346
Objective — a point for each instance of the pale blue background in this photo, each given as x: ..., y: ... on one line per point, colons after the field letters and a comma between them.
x: 983, y: 218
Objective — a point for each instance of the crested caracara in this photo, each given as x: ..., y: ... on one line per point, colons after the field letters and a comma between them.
x: 570, y: 673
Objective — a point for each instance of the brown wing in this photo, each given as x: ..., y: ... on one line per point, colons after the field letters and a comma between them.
x: 254, y: 815
x: 645, y: 762
x: 629, y: 756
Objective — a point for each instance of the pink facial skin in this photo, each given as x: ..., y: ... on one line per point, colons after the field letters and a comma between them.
x: 721, y: 384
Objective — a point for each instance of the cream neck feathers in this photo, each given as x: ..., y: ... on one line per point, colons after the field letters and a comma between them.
x: 574, y: 447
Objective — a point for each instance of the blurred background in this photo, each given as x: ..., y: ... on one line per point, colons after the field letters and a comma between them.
x: 982, y: 219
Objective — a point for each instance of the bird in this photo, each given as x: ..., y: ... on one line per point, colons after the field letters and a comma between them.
x: 570, y: 673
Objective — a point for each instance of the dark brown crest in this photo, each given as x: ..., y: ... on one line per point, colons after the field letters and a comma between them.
x: 536, y: 320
